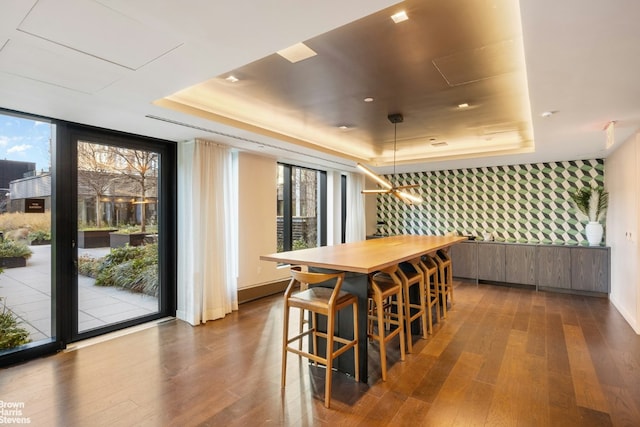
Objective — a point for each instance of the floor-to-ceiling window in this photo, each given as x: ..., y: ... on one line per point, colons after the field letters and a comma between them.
x: 94, y: 214
x: 26, y: 316
x: 301, y: 214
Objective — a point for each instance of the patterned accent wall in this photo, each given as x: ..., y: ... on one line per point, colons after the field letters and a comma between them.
x: 521, y: 203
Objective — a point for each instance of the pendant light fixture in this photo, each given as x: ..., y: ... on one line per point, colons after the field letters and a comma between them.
x: 388, y: 187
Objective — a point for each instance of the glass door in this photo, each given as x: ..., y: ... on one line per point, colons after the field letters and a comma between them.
x: 118, y: 234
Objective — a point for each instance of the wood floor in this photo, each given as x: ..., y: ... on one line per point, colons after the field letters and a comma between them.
x: 503, y: 357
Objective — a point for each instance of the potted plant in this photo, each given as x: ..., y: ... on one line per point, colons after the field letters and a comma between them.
x: 592, y: 202
x: 39, y: 237
x: 13, y: 254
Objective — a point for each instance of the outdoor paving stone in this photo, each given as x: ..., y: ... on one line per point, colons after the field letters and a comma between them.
x: 24, y: 296
x: 126, y: 315
x: 91, y: 324
x: 110, y: 310
x: 28, y: 292
x: 42, y: 327
x: 94, y: 303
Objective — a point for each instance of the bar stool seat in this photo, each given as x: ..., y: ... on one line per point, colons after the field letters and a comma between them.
x: 383, y: 295
x: 319, y: 301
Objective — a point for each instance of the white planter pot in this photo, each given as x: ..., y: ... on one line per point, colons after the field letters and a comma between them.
x: 593, y: 230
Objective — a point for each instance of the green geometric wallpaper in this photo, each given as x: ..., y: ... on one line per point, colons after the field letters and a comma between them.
x: 520, y: 203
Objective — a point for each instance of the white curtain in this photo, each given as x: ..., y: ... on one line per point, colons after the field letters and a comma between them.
x: 209, y: 234
x: 356, y: 228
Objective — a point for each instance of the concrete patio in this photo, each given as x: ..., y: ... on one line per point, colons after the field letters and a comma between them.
x: 26, y: 291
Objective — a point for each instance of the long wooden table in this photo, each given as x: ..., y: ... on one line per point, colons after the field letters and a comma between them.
x: 357, y: 260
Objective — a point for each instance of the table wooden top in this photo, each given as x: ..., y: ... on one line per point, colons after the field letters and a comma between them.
x: 366, y: 256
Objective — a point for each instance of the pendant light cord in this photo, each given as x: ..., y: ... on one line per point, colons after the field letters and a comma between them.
x: 395, y: 134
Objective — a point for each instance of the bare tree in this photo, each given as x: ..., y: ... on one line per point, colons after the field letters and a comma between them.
x: 141, y: 167
x: 95, y: 172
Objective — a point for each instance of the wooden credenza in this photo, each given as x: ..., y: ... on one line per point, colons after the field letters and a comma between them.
x: 583, y: 269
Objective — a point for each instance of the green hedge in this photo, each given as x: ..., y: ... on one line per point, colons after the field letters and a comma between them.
x: 131, y: 267
x: 11, y: 334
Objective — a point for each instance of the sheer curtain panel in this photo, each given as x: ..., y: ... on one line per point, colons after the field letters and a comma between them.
x: 209, y: 257
x: 356, y: 228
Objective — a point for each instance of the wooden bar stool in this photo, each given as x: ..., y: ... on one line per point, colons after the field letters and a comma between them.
x: 381, y: 293
x: 411, y: 274
x: 327, y: 302
x: 445, y: 278
x: 432, y: 292
x: 303, y: 319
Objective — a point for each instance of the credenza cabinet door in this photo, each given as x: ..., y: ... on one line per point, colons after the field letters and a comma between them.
x: 520, y: 264
x: 554, y: 267
x: 574, y: 268
x: 491, y: 262
x: 590, y: 269
x: 464, y: 259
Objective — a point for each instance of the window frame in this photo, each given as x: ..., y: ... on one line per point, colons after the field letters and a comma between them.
x: 287, y: 204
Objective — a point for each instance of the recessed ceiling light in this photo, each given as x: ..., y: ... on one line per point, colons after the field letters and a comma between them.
x: 399, y: 17
x: 548, y: 114
x: 296, y: 53
x: 368, y: 99
x: 232, y: 79
x: 463, y: 105
x: 343, y: 127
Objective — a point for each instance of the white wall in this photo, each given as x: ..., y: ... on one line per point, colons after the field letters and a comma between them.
x: 257, y: 220
x: 623, y: 184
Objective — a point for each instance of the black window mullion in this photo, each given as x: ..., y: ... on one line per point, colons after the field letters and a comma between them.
x: 287, y: 217
x: 63, y: 218
x: 343, y: 208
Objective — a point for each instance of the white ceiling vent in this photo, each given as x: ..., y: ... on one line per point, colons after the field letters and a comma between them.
x: 59, y: 67
x: 96, y: 30
x: 478, y: 64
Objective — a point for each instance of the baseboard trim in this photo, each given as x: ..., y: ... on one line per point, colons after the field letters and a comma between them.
x: 260, y: 291
x: 627, y: 316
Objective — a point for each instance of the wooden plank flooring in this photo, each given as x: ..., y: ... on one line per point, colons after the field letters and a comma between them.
x: 503, y: 357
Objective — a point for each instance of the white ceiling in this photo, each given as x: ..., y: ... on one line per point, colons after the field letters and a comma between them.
x: 105, y: 63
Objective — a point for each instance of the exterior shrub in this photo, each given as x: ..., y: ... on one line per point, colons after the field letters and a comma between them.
x: 31, y: 221
x: 131, y: 267
x: 88, y: 266
x: 10, y: 248
x: 39, y: 236
x: 11, y: 334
